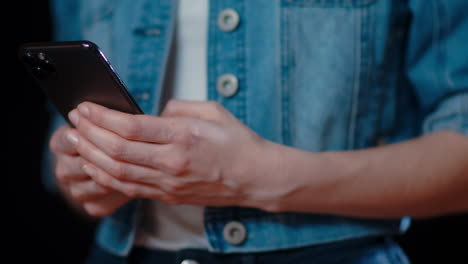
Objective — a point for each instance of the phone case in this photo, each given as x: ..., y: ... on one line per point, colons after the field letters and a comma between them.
x: 73, y: 72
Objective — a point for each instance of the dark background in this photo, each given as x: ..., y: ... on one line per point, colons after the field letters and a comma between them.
x: 40, y: 226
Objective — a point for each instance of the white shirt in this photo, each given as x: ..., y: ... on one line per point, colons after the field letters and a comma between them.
x: 174, y: 227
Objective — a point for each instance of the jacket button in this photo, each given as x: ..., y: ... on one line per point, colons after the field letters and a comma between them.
x: 228, y: 20
x: 189, y: 261
x: 234, y: 233
x: 227, y: 85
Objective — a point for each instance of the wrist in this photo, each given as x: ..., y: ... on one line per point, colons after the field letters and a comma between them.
x: 272, y: 178
x: 296, y: 180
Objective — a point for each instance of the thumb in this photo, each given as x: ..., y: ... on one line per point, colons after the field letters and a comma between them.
x: 210, y: 110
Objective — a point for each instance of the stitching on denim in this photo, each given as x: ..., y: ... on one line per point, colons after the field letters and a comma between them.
x: 356, y: 83
x: 367, y: 61
x: 433, y: 121
x: 169, y: 40
x: 395, y: 253
x: 241, y: 40
x: 368, y: 71
x: 211, y: 93
x: 211, y: 231
x: 434, y: 117
x: 289, y: 114
x: 246, y: 52
x: 343, y: 4
x: 433, y: 108
x: 435, y: 41
x: 443, y: 24
x: 285, y: 49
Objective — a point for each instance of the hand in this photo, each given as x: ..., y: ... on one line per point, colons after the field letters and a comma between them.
x: 195, y: 153
x: 81, y: 191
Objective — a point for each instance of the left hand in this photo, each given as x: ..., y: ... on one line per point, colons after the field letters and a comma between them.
x: 195, y: 153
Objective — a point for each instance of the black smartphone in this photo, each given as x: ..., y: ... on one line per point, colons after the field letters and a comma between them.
x: 72, y: 72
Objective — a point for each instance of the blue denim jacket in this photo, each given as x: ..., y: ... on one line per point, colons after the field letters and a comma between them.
x: 318, y: 75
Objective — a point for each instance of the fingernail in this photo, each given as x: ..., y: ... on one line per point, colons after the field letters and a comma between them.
x: 84, y: 110
x: 74, y: 117
x: 73, y: 139
x: 88, y: 170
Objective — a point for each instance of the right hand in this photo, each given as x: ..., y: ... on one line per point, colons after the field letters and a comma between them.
x: 82, y: 191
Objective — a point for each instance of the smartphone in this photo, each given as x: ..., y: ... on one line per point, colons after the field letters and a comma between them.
x: 72, y: 72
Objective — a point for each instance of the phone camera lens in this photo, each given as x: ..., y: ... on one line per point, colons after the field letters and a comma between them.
x: 39, y: 72
x: 41, y: 56
x: 40, y: 64
x: 48, y: 66
x: 29, y: 59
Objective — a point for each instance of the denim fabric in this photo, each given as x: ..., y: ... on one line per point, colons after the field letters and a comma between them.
x: 318, y: 75
x: 365, y: 251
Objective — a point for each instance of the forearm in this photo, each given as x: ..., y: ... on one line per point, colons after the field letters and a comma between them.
x: 423, y: 177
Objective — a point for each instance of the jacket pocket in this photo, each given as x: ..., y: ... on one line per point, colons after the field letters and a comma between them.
x: 326, y: 51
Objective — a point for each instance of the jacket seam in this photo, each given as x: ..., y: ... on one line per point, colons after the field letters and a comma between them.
x: 345, y: 4
x: 356, y: 84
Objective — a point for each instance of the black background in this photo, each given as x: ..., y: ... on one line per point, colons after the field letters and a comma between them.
x: 40, y: 226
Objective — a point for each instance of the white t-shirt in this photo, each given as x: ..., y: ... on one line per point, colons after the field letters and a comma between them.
x: 174, y: 227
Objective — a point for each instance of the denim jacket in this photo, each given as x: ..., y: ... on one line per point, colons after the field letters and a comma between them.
x: 318, y: 75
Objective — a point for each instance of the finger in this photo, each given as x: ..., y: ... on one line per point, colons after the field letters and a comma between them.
x: 133, y: 127
x: 145, y: 168
x: 105, y: 205
x: 119, y: 148
x: 202, y: 110
x: 68, y: 169
x: 63, y: 141
x: 87, y: 190
x: 131, y: 189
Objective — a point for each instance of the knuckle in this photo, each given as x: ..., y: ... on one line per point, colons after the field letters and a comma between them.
x: 77, y: 194
x: 194, y: 136
x: 174, y: 186
x: 183, y: 137
x: 216, y: 107
x: 131, y: 191
x: 132, y: 128
x: 177, y: 165
x: 168, y: 134
x: 103, y: 190
x: 104, y: 180
x: 116, y: 149
x: 217, y: 110
x: 171, y: 106
x: 119, y: 170
x: 60, y: 172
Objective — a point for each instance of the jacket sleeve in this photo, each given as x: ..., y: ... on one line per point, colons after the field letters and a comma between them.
x: 65, y: 17
x: 437, y: 63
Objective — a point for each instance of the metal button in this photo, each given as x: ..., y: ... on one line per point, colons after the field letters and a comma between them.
x: 189, y: 261
x: 234, y: 233
x: 228, y: 20
x: 227, y: 85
